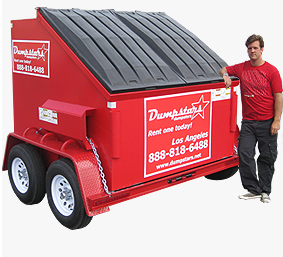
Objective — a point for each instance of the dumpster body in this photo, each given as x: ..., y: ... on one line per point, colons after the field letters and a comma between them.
x: 132, y: 99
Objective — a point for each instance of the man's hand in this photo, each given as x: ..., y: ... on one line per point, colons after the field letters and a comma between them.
x: 275, y: 126
x: 226, y: 78
x: 227, y: 81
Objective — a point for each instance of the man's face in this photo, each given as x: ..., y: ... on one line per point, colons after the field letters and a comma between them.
x: 254, y: 50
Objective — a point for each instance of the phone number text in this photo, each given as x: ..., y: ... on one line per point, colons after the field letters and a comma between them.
x: 30, y: 68
x: 176, y: 151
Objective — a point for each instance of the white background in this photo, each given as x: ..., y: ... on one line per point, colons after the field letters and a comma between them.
x: 197, y: 218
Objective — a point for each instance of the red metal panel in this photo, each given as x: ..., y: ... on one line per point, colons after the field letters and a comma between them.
x: 116, y: 133
x: 128, y: 169
x: 233, y: 112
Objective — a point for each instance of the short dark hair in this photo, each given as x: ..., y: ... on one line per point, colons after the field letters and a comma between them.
x: 254, y: 38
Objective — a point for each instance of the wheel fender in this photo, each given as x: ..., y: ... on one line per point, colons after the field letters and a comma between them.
x: 11, y: 141
x: 88, y: 176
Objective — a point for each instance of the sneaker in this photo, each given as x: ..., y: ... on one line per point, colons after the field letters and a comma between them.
x: 249, y: 196
x: 265, y: 198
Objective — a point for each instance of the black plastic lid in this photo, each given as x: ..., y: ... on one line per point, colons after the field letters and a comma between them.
x: 135, y: 51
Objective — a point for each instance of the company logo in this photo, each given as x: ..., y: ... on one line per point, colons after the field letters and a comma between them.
x: 196, y: 109
x: 31, y: 57
x: 39, y: 53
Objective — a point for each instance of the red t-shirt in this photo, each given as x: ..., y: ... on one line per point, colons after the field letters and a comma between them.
x: 258, y: 86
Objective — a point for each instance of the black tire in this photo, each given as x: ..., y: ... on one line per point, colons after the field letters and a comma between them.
x: 64, y: 195
x: 224, y: 174
x: 27, y: 173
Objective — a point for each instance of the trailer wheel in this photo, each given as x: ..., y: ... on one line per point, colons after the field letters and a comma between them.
x: 64, y: 195
x: 27, y: 172
x: 224, y: 174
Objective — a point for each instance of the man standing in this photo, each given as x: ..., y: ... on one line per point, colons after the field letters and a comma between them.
x: 261, y: 93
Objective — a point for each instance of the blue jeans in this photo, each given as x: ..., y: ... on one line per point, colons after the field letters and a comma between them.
x: 253, y: 132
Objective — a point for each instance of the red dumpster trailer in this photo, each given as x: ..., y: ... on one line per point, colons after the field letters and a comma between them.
x: 112, y: 105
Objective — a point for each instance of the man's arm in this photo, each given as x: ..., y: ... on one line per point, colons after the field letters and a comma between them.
x: 275, y: 126
x: 226, y: 78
